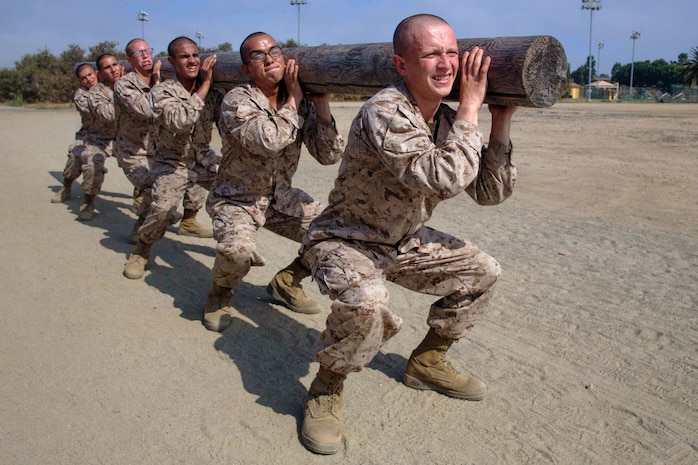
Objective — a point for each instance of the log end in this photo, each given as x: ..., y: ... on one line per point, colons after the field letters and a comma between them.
x: 545, y: 71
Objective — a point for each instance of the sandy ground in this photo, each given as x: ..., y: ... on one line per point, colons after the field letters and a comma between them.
x: 589, y: 348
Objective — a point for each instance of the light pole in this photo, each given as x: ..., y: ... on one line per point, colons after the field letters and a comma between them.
x: 299, y: 3
x: 598, y: 62
x: 142, y: 16
x: 634, y: 36
x: 199, y: 36
x: 590, y: 5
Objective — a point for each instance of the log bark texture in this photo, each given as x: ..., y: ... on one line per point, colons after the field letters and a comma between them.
x: 526, y: 71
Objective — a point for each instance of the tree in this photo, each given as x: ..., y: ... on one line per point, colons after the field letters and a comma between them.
x: 224, y: 47
x: 289, y: 43
x: 105, y: 47
x: 689, y: 69
x: 581, y: 74
x: 658, y: 74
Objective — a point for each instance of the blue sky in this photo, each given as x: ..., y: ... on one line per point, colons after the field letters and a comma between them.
x: 667, y: 28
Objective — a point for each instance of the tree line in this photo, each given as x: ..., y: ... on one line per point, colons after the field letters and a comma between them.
x: 43, y: 77
x: 657, y: 74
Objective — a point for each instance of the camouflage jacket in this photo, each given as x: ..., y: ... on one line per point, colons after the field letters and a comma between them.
x: 394, y: 172
x: 81, y: 105
x: 134, y: 117
x: 261, y: 148
x: 184, y: 125
x: 100, y: 99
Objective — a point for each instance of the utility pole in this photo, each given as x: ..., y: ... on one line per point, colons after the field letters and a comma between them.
x: 590, y: 5
x: 634, y: 36
x: 142, y: 16
x: 598, y: 62
x: 299, y: 3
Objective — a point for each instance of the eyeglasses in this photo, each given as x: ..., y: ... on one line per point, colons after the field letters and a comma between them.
x: 260, y: 57
x: 145, y: 51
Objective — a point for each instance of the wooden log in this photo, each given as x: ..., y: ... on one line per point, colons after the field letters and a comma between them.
x: 525, y: 71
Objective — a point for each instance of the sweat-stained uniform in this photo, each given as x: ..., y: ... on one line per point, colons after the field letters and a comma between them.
x: 261, y: 149
x: 394, y: 172
x: 183, y: 156
x: 133, y: 145
x: 73, y: 165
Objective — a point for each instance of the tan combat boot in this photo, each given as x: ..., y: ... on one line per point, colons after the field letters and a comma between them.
x: 286, y: 288
x: 135, y: 266
x: 64, y: 193
x: 87, y: 209
x: 428, y: 369
x: 189, y: 227
x: 217, y: 313
x: 322, y: 431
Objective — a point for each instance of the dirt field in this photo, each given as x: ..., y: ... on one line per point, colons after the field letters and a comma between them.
x: 589, y: 349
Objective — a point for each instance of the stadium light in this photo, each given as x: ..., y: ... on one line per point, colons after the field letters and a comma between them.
x: 299, y: 3
x: 590, y: 5
x: 142, y: 16
x: 634, y: 36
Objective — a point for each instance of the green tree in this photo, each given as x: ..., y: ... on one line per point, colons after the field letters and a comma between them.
x: 289, y: 43
x: 8, y: 85
x: 224, y: 47
x: 581, y: 74
x: 105, y: 47
x: 689, y: 69
x: 42, y: 78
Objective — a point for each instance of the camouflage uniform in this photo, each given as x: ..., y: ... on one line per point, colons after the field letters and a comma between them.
x: 133, y: 145
x: 73, y: 165
x: 98, y: 140
x: 261, y: 149
x: 393, y: 174
x: 183, y: 156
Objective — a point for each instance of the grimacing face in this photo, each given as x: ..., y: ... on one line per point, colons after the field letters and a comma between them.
x: 140, y: 56
x: 430, y: 66
x: 186, y: 60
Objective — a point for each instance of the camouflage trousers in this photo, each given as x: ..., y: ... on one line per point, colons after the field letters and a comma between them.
x: 354, y: 275
x: 170, y: 186
x: 235, y: 229
x: 139, y: 171
x: 87, y: 160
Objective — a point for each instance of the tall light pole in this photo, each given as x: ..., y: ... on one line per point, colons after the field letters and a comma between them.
x: 199, y: 36
x: 634, y: 36
x: 142, y: 16
x: 299, y: 3
x: 590, y: 5
x: 598, y: 62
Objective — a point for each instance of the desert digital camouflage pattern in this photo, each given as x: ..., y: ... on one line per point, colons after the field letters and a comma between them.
x: 393, y: 174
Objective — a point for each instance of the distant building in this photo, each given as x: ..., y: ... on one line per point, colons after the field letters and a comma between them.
x: 573, y: 90
x: 604, y: 90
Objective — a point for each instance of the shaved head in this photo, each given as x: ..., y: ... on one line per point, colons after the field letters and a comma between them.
x: 405, y: 31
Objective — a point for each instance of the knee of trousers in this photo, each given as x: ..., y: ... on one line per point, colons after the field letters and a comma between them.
x: 236, y: 252
x: 490, y: 272
x: 365, y: 310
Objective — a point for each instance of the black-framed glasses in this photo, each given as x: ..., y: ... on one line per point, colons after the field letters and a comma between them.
x: 145, y: 51
x: 260, y: 57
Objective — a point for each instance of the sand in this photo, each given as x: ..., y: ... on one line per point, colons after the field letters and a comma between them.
x: 589, y: 348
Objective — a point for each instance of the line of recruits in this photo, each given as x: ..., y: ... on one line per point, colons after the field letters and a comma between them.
x: 406, y: 152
